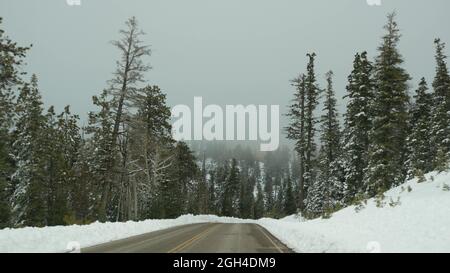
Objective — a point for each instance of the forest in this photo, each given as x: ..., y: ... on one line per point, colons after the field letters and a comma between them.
x: 125, y: 164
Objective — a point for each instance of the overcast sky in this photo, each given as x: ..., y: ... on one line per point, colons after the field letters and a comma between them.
x: 228, y: 51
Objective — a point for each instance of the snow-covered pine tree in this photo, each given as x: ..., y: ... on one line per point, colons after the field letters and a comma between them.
x: 101, y: 156
x: 420, y: 152
x: 150, y: 138
x: 29, y: 200
x: 358, y: 124
x: 327, y: 187
x: 296, y: 132
x: 311, y: 101
x: 387, y: 149
x: 70, y: 143
x: 11, y: 57
x: 54, y: 172
x: 441, y: 110
x: 120, y: 96
x: 302, y: 127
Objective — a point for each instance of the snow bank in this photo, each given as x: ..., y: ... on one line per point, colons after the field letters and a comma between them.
x: 417, y: 221
x: 57, y: 239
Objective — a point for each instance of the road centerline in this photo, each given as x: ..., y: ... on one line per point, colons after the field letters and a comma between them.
x: 192, y: 240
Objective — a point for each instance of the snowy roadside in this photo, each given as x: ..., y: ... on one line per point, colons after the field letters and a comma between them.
x: 57, y: 239
x: 417, y: 220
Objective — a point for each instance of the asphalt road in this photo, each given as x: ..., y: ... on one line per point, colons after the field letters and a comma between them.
x: 198, y: 238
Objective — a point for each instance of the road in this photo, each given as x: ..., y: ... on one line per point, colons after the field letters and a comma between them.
x: 198, y: 238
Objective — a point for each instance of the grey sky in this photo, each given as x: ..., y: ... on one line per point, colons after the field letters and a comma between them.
x: 228, y: 51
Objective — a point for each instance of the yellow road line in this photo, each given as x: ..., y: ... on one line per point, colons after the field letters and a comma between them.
x: 268, y: 237
x: 190, y: 241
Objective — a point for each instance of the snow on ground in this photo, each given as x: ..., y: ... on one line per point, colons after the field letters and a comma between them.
x: 419, y: 221
x: 61, y: 238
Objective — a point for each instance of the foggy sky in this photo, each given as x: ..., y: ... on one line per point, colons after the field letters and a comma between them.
x: 228, y: 51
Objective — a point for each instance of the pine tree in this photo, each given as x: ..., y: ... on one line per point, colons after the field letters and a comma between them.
x: 246, y: 198
x: 150, y: 138
x: 259, y: 202
x: 302, y: 128
x: 185, y: 176
x: 327, y: 187
x: 441, y: 101
x: 29, y: 199
x: 387, y: 150
x: 230, y: 205
x: 70, y: 143
x: 289, y: 202
x: 53, y: 174
x: 420, y: 152
x: 101, y: 156
x: 296, y: 131
x: 269, y: 198
x: 312, y: 93
x: 11, y: 58
x: 358, y: 124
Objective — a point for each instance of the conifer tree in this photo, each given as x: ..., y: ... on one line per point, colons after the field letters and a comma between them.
x: 327, y: 188
x: 230, y: 205
x: 259, y: 202
x: 441, y: 101
x: 101, y: 156
x: 387, y: 149
x: 296, y: 131
x: 358, y: 124
x: 11, y: 58
x: 311, y: 94
x: 420, y: 152
x: 289, y: 202
x: 302, y: 128
x: 29, y: 199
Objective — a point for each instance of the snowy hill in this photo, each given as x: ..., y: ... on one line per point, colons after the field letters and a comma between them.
x: 419, y: 221
x: 415, y: 218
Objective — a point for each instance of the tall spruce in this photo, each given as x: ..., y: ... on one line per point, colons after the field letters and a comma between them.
x: 11, y: 58
x: 358, y: 124
x: 311, y: 101
x: 387, y: 149
x: 441, y: 110
x: 230, y: 205
x: 302, y: 127
x: 101, y: 155
x: 29, y: 200
x: 326, y: 189
x: 420, y: 151
x: 296, y: 132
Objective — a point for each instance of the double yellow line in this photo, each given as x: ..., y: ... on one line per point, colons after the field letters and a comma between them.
x: 189, y: 242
